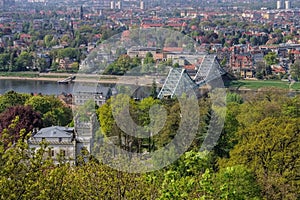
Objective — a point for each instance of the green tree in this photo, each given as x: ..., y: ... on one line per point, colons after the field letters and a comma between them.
x: 121, y: 65
x: 223, y: 62
x: 47, y: 40
x: 153, y: 92
x: 60, y: 116
x: 227, y: 138
x: 176, y: 65
x: 41, y: 64
x: 295, y: 70
x: 149, y: 58
x: 29, y: 173
x: 53, y: 111
x: 66, y: 38
x: 67, y: 53
x: 180, y: 181
x: 254, y: 41
x: 270, y: 148
x: 234, y: 97
x: 24, y: 61
x: 236, y: 182
x: 4, y: 61
x: 12, y: 98
x: 271, y: 58
x: 75, y: 66
x: 12, y: 57
x: 106, y: 118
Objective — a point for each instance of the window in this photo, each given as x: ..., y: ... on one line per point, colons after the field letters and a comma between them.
x: 60, y: 139
x: 62, y: 152
x: 51, y: 153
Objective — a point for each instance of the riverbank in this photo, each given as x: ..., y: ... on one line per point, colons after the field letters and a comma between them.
x: 30, y: 78
x: 88, y: 78
x: 260, y: 84
x: 33, y: 76
x: 140, y: 80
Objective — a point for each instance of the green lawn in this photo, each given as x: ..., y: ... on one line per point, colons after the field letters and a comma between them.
x: 256, y: 84
x: 32, y: 75
x: 20, y: 74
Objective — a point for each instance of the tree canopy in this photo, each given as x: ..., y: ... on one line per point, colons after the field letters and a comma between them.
x: 52, y: 109
x: 12, y: 98
x: 26, y: 117
x: 257, y: 155
x: 122, y: 65
x: 271, y: 58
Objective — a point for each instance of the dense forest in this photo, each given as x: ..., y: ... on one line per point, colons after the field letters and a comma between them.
x: 257, y: 155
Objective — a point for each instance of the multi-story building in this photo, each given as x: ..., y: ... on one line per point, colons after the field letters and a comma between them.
x: 288, y: 5
x: 280, y: 4
x: 99, y: 94
x: 242, y: 64
x: 67, y: 142
x: 142, y: 5
x: 61, y: 141
x: 6, y: 3
x: 141, y: 52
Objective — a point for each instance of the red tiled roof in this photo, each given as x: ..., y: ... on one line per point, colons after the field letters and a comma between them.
x: 278, y: 69
x: 24, y: 35
x: 295, y: 52
x: 151, y: 25
x: 190, y: 67
x: 241, y: 57
x: 194, y: 27
x: 174, y: 24
x: 159, y: 56
x: 172, y: 49
x: 126, y: 33
x: 97, y: 36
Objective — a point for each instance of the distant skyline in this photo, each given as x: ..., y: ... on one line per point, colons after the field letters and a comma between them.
x: 147, y: 4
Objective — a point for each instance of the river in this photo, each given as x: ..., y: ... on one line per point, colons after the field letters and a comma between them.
x: 45, y: 87
x: 53, y: 88
x: 34, y: 86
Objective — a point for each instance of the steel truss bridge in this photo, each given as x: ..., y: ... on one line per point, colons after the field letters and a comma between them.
x: 179, y: 81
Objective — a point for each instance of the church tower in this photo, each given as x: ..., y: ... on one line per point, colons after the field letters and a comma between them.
x: 85, y: 128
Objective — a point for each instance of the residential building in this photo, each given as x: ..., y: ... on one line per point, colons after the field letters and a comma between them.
x: 60, y: 140
x: 65, y: 63
x: 67, y: 142
x: 242, y: 64
x: 141, y: 52
x: 84, y: 92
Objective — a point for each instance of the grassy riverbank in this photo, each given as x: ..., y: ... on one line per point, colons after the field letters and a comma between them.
x: 32, y: 76
x: 257, y: 84
x: 20, y: 74
x: 51, y: 76
x: 55, y: 76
